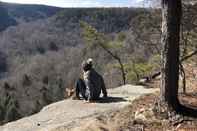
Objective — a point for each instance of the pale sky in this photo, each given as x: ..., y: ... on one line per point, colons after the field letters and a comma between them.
x: 81, y: 3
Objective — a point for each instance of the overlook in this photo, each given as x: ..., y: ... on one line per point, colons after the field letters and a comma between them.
x: 143, y: 53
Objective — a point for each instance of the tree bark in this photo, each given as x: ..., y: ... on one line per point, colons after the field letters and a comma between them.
x: 171, y: 21
x: 122, y: 71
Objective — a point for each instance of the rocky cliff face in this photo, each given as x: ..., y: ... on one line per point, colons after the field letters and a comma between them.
x: 66, y: 115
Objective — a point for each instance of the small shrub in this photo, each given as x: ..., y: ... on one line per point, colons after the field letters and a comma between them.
x: 53, y: 47
x: 8, y: 109
x: 41, y: 49
x: 45, y: 79
x: 135, y: 71
x: 11, y: 111
x: 26, y: 80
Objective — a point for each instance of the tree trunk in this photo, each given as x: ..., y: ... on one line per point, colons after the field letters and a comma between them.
x: 171, y: 20
x: 122, y: 71
x: 119, y: 62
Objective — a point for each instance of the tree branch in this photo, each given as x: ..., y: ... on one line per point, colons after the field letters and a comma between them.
x: 188, y: 56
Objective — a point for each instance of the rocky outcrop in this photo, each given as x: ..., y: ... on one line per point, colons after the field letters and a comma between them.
x: 65, y: 115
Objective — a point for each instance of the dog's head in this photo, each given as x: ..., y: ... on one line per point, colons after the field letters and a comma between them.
x: 69, y: 92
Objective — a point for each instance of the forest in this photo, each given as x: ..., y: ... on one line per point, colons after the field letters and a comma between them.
x: 42, y: 48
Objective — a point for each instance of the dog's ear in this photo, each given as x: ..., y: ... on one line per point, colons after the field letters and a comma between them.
x: 72, y: 90
x: 67, y: 89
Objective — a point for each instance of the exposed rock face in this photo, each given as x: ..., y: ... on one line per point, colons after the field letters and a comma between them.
x: 65, y: 115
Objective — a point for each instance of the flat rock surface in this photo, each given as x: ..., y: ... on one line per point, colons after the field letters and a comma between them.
x: 61, y: 115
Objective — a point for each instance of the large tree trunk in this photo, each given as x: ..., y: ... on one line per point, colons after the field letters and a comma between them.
x: 171, y: 20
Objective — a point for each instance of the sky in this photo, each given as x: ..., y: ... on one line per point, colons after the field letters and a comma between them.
x: 81, y: 3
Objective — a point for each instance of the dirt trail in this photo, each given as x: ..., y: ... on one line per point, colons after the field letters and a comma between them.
x: 62, y: 115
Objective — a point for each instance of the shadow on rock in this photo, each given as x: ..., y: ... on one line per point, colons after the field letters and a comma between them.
x: 111, y: 100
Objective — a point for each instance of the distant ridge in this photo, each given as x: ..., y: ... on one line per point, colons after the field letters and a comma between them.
x: 13, y: 14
